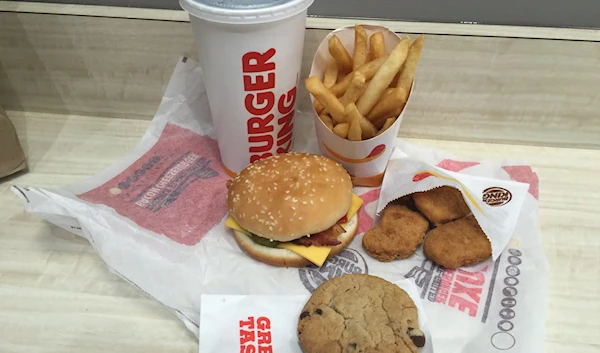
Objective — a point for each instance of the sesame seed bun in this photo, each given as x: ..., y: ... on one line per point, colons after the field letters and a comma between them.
x: 288, y: 196
x: 287, y: 258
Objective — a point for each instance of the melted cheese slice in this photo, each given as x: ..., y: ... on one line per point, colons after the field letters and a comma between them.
x: 315, y: 254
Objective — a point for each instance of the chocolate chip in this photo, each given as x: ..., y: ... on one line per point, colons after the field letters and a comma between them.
x: 416, y: 336
x: 319, y: 311
x: 304, y: 314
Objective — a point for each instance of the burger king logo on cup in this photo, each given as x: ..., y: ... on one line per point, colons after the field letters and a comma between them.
x: 496, y: 196
x: 346, y: 262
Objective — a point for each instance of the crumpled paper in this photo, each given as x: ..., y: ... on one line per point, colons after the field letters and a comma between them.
x: 496, y: 305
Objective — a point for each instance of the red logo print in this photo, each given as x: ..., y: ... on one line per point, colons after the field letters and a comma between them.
x: 365, y: 221
x: 255, y: 335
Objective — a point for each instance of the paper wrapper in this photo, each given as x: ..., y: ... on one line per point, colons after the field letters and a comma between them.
x: 365, y: 160
x: 495, y: 203
x: 185, y: 251
x: 232, y: 323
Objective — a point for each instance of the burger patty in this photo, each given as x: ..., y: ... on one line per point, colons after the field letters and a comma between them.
x: 327, y: 237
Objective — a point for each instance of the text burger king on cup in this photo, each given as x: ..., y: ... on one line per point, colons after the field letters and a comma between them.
x: 250, y: 52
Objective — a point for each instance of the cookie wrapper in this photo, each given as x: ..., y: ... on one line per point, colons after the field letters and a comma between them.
x: 495, y: 203
x: 365, y: 160
x: 235, y: 323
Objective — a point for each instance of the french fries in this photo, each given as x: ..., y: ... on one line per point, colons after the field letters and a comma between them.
x: 367, y: 129
x: 407, y: 74
x: 331, y: 74
x: 357, y: 84
x: 354, y: 132
x: 333, y: 105
x: 383, y: 77
x: 368, y: 70
x: 342, y: 130
x: 359, y: 97
x: 326, y: 119
x: 377, y: 46
x: 360, y: 48
x: 340, y: 54
x: 388, y: 122
x: 387, y: 105
x: 318, y: 107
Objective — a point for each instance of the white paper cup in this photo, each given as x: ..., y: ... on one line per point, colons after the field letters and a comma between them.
x: 250, y: 52
x: 366, y: 160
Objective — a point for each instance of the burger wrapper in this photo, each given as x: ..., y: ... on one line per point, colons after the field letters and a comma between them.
x: 495, y: 203
x: 156, y: 217
x: 236, y: 323
x: 365, y: 160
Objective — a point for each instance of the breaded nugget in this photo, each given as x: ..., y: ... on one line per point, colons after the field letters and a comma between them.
x: 405, y: 201
x: 458, y: 243
x: 441, y: 205
x: 397, y: 237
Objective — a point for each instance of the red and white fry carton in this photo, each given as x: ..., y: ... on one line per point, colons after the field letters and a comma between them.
x: 250, y: 53
x: 365, y: 160
x: 495, y: 203
x: 268, y: 323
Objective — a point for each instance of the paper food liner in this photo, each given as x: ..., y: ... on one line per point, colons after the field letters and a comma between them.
x: 231, y: 323
x: 364, y: 160
x: 494, y: 305
x: 495, y: 203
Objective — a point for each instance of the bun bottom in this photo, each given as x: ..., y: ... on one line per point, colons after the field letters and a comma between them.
x: 287, y: 258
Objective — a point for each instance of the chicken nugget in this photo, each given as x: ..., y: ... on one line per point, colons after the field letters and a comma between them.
x: 458, y: 243
x: 441, y: 205
x: 397, y: 237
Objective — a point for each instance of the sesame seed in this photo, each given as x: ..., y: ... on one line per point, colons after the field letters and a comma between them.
x: 322, y: 200
x: 270, y: 228
x: 287, y: 191
x: 299, y: 218
x: 311, y: 202
x: 294, y: 199
x: 304, y: 202
x: 293, y: 208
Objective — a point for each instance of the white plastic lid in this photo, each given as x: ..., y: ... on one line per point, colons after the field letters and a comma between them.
x: 244, y: 11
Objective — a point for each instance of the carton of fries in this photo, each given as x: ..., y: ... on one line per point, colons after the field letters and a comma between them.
x: 358, y: 104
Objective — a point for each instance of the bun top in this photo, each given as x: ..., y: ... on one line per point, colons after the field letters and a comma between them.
x: 288, y: 196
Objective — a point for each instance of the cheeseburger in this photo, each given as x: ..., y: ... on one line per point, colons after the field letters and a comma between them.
x: 293, y: 209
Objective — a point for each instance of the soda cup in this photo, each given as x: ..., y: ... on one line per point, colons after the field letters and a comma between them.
x: 250, y: 52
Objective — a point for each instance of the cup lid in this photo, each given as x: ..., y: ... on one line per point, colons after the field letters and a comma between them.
x: 244, y: 11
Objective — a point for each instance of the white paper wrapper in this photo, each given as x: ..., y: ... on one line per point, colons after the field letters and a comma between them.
x: 495, y: 203
x: 365, y: 160
x: 156, y: 218
x: 236, y: 323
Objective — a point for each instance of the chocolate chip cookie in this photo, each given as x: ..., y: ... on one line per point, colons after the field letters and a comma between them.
x: 359, y: 313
